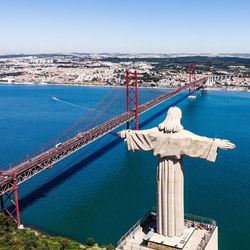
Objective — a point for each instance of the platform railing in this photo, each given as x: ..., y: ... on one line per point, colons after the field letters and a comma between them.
x: 190, y: 220
x: 121, y: 242
x: 199, y: 219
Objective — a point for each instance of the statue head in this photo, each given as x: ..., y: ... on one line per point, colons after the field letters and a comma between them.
x: 172, y: 123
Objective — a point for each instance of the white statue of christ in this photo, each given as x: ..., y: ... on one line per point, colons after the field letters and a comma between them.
x: 170, y: 142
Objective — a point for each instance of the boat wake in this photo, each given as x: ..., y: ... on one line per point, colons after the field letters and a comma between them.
x: 69, y: 103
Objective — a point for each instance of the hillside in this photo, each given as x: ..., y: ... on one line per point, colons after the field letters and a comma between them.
x: 12, y: 238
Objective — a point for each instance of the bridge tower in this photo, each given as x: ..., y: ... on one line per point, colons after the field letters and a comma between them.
x: 192, y: 78
x: 9, y: 201
x: 132, y: 101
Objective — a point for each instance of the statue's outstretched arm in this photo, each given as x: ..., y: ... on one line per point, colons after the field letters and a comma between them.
x: 138, y: 139
x: 221, y: 143
x: 224, y: 144
x: 204, y: 147
x: 122, y: 133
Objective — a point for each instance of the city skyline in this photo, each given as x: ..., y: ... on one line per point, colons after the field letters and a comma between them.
x: 124, y: 26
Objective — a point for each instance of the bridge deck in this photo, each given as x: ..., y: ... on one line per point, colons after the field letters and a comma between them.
x: 47, y: 159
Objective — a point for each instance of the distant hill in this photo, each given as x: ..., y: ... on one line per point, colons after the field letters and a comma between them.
x: 206, y: 60
x: 133, y: 55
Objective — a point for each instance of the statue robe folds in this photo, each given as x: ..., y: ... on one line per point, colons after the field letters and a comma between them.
x: 170, y: 148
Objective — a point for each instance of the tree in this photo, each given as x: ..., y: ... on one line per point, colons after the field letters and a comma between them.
x: 65, y: 244
x: 90, y: 242
x: 110, y: 247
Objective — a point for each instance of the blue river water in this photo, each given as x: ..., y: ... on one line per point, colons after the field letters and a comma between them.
x: 102, y: 190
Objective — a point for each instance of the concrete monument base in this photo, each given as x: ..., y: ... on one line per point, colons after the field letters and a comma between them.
x: 199, y: 234
x: 161, y: 242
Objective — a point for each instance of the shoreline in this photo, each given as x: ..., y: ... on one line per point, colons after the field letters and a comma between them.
x: 236, y: 89
x: 24, y: 237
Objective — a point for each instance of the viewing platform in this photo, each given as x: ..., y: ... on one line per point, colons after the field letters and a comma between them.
x: 199, y: 234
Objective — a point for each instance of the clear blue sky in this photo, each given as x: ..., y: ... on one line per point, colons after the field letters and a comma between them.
x: 155, y: 26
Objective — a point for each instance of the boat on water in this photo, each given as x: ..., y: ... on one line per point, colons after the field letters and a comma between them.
x: 192, y: 97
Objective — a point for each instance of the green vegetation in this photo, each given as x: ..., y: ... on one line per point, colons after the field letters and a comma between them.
x: 12, y: 238
x: 217, y: 61
x: 203, y: 63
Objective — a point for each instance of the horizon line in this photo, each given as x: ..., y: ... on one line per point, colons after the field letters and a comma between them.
x: 126, y: 53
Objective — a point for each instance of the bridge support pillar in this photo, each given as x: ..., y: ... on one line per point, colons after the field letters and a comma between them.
x: 10, y: 204
x: 192, y: 78
x: 1, y: 202
x: 16, y: 199
x: 132, y: 101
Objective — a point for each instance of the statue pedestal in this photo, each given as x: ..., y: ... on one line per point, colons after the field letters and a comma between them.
x: 161, y: 242
x: 199, y: 234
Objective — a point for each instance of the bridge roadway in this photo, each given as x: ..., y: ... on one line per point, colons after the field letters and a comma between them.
x: 45, y: 160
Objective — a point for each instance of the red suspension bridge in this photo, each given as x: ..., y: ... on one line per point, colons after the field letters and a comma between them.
x: 51, y: 153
